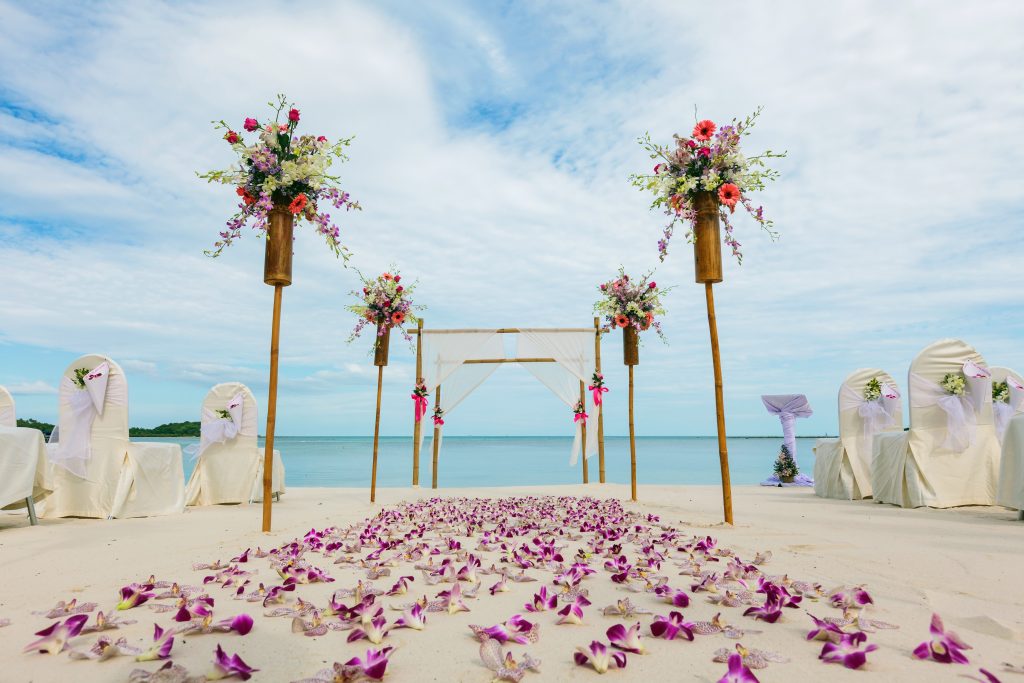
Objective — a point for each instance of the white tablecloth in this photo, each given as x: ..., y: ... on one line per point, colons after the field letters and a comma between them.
x: 1011, y: 469
x: 22, y: 465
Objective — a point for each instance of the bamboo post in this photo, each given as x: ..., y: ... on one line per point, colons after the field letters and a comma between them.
x: 600, y: 412
x: 583, y: 431
x: 723, y: 451
x: 417, y: 428
x: 268, y: 452
x: 435, y: 443
x: 632, y: 439
x: 376, y: 435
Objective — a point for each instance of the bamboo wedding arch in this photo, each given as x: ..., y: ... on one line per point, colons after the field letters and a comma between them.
x: 418, y: 424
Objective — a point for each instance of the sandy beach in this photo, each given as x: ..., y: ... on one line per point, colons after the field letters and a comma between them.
x: 963, y: 564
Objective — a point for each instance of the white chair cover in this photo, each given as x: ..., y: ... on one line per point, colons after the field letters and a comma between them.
x: 1003, y: 411
x: 105, y: 475
x: 842, y: 466
x: 22, y: 466
x: 229, y: 467
x: 788, y: 407
x: 574, y: 363
x: 8, y: 418
x: 925, y: 466
x: 1011, y: 468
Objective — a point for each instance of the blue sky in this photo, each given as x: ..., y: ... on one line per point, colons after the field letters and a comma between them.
x: 493, y: 141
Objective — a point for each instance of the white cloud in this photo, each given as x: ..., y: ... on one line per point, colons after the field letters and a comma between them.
x: 34, y: 388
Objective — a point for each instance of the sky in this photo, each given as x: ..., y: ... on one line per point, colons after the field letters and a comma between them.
x: 493, y: 141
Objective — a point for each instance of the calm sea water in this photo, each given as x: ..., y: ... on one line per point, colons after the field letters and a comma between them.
x: 521, y: 461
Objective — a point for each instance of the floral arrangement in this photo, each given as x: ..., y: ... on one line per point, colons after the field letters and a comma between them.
x: 1000, y: 392
x: 785, y: 466
x: 631, y: 302
x: 579, y: 412
x: 224, y: 414
x: 954, y: 383
x: 282, y: 169
x: 873, y: 390
x: 709, y: 161
x: 385, y: 303
x: 438, y: 416
x: 597, y: 388
x: 80, y: 375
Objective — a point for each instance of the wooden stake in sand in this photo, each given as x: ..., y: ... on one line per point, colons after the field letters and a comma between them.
x: 600, y: 413
x: 631, y: 357
x: 380, y: 359
x: 583, y: 431
x: 277, y: 271
x: 417, y: 426
x: 707, y: 255
x: 435, y: 443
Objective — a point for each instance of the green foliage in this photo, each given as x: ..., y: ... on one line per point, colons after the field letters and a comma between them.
x: 44, y: 427
x: 178, y: 429
x: 785, y: 466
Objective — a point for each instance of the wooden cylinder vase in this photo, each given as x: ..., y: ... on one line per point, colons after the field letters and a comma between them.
x: 630, y: 345
x: 380, y: 347
x: 707, y: 247
x: 277, y: 263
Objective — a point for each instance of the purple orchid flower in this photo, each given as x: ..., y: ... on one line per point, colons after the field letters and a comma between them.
x: 104, y: 648
x: 414, y: 618
x: 500, y: 587
x: 401, y: 586
x: 226, y: 666
x: 66, y: 609
x: 374, y: 665
x: 504, y: 665
x: 573, y: 612
x: 847, y: 651
x: 275, y: 594
x: 542, y: 601
x: 671, y: 627
x: 163, y: 641
x: 516, y: 630
x: 738, y: 671
x: 672, y: 596
x: 374, y: 632
x: 599, y: 657
x: 453, y: 600
x: 628, y: 639
x: 135, y: 594
x: 945, y: 646
x: 769, y: 612
x: 54, y: 638
x: 824, y: 630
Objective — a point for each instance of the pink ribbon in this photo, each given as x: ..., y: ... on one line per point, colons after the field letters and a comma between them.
x: 438, y: 421
x: 421, y: 406
x: 597, y: 391
x: 580, y: 416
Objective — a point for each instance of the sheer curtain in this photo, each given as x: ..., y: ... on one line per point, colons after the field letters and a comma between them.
x: 788, y: 407
x: 444, y: 356
x: 573, y: 353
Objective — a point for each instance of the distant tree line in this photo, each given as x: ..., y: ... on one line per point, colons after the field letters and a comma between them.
x: 179, y: 429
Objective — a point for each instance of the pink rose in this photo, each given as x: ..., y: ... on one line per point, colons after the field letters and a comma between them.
x: 652, y: 285
x: 398, y: 278
x: 231, y: 137
x: 251, y: 124
x: 293, y: 115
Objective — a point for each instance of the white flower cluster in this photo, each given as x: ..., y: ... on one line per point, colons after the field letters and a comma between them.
x: 954, y: 383
x: 1000, y: 392
x: 873, y: 390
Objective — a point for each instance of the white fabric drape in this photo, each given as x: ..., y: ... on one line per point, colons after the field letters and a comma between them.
x: 7, y: 415
x: 444, y: 357
x: 788, y: 407
x: 961, y: 411
x: 876, y: 415
x: 1003, y: 411
x: 216, y: 429
x: 83, y: 405
x: 573, y: 353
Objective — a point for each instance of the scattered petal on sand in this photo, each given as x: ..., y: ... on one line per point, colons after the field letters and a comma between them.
x: 54, y: 638
x: 503, y: 665
x: 599, y: 657
x: 945, y: 646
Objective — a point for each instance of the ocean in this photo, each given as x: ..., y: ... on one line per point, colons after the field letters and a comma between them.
x: 464, y: 461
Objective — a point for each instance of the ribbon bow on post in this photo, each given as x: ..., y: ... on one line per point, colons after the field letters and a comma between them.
x: 419, y: 397
x: 579, y: 413
x: 597, y: 388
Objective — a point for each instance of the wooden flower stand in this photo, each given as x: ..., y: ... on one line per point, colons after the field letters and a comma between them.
x: 277, y: 271
x: 631, y: 358
x: 707, y: 255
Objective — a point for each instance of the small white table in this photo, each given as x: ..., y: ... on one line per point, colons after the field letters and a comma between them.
x: 22, y: 469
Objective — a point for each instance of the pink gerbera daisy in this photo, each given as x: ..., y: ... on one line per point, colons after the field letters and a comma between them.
x: 704, y: 130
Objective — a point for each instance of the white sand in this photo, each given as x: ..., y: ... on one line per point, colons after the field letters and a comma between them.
x: 967, y: 564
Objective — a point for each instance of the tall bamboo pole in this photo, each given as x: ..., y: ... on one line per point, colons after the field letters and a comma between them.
x: 376, y: 435
x: 583, y: 431
x: 268, y: 453
x: 437, y: 433
x: 417, y: 428
x: 632, y: 439
x: 723, y: 451
x: 600, y: 411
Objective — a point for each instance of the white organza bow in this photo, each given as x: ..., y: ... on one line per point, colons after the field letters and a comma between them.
x: 961, y: 411
x: 84, y: 404
x: 875, y: 415
x: 216, y: 429
x: 1003, y: 411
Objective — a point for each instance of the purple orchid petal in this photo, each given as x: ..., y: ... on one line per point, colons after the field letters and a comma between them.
x: 54, y: 638
x: 738, y: 672
x: 945, y: 646
x: 375, y: 663
x: 847, y: 651
x: 226, y: 666
x: 625, y: 639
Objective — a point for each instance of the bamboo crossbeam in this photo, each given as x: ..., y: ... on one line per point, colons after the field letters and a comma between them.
x: 507, y: 330
x: 479, y: 361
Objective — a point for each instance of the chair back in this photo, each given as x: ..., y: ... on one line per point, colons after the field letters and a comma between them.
x: 217, y: 399
x: 7, y: 415
x: 853, y: 418
x: 933, y: 363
